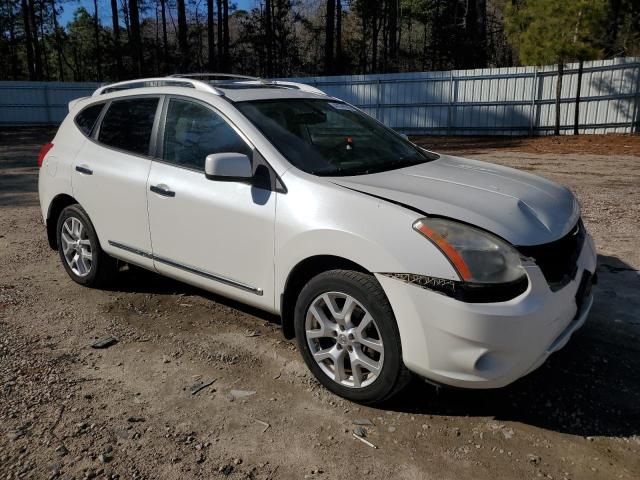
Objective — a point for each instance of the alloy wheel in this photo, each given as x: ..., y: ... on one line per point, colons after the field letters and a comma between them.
x: 76, y: 247
x: 344, y: 339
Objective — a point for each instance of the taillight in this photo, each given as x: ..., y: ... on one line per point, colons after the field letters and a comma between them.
x: 43, y: 153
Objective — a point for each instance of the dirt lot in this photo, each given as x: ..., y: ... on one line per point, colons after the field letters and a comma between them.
x: 71, y: 411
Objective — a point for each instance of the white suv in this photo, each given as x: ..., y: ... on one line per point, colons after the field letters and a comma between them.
x: 381, y: 258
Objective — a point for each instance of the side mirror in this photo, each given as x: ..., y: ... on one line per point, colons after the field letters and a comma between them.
x: 405, y: 136
x: 229, y: 167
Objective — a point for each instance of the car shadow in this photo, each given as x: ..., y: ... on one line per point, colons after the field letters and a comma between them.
x: 590, y: 388
x: 133, y: 279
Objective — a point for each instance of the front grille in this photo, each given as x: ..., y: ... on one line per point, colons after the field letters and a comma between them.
x: 558, y: 260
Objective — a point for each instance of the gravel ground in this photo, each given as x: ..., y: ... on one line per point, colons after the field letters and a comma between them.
x: 128, y: 411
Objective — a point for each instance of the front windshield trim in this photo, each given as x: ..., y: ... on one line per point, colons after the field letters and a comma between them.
x: 423, y: 155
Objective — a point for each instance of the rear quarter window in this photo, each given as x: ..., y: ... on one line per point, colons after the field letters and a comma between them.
x: 127, y: 125
x: 87, y: 118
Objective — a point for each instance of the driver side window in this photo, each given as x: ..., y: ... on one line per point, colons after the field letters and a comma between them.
x: 193, y: 131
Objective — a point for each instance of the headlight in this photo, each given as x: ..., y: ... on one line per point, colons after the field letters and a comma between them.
x: 477, y: 256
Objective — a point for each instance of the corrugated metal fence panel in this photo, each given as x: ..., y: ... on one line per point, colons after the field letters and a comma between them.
x: 497, y: 101
x: 494, y: 101
x: 39, y: 102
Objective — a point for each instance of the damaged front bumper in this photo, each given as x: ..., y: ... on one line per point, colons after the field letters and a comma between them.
x: 491, y: 344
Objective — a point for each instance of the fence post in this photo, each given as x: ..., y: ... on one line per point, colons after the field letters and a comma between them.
x: 635, y: 119
x: 378, y: 87
x: 47, y: 103
x: 450, y: 107
x: 534, y: 94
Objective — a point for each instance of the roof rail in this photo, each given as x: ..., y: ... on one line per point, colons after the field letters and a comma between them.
x: 303, y: 87
x: 245, y: 78
x: 215, y: 76
x: 158, y: 82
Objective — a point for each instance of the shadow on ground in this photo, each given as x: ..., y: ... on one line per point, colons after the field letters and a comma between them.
x: 589, y: 388
x: 18, y: 164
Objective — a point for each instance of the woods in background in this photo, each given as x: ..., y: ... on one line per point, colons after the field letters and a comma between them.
x: 280, y: 38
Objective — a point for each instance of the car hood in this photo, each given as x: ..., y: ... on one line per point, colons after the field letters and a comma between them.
x: 522, y: 208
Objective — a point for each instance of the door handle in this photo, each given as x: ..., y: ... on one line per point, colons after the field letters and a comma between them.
x: 162, y: 190
x: 84, y: 170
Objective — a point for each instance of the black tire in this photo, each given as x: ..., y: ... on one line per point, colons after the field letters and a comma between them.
x: 367, y: 291
x: 103, y: 267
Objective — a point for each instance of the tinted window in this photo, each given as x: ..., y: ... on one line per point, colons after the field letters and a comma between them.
x: 86, y: 119
x: 128, y: 123
x: 193, y: 131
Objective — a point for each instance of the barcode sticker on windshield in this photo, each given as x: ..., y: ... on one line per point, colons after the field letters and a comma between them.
x: 342, y: 106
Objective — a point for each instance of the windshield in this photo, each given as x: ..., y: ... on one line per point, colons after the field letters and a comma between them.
x: 331, y: 138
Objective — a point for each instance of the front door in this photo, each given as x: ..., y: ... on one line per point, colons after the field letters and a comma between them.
x: 214, y: 234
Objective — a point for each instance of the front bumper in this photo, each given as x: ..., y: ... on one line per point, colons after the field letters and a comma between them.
x: 487, y: 345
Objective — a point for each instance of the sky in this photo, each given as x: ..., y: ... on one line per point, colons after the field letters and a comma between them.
x: 104, y: 7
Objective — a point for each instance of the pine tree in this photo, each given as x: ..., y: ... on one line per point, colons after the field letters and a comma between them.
x: 557, y: 31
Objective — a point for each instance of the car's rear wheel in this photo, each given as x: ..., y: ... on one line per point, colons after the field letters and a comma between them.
x: 348, y: 336
x: 80, y: 251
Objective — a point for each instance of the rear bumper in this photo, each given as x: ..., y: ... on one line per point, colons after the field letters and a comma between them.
x: 487, y: 345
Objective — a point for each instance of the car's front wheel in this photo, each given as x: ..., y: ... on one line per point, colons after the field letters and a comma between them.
x: 348, y: 336
x: 80, y: 251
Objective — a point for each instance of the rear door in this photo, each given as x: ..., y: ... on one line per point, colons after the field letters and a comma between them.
x: 110, y: 176
x: 215, y: 234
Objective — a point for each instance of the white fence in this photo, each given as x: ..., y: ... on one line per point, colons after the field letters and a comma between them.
x: 496, y: 101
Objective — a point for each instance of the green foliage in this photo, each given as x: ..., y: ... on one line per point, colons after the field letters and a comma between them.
x: 80, y: 45
x: 549, y: 31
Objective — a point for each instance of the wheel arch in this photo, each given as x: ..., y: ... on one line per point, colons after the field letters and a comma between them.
x: 298, y: 277
x: 59, y: 203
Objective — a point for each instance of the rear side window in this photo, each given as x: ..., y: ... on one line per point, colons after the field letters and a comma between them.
x: 86, y: 119
x: 128, y: 123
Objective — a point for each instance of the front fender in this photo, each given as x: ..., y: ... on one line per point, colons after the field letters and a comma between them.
x: 318, y: 218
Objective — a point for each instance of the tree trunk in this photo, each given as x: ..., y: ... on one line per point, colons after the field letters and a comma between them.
x: 424, y: 47
x: 165, y: 41
x: 12, y: 41
x: 136, y: 41
x: 183, y: 44
x: 556, y: 130
x: 339, y: 67
x: 45, y: 61
x: 225, y: 37
x: 269, y: 35
x: 576, y: 118
x: 329, y: 38
x: 476, y: 22
x: 56, y: 31
x: 125, y: 14
x: 614, y: 26
x: 96, y: 26
x: 399, y: 37
x: 156, y: 46
x: 363, y: 38
x: 116, y: 37
x: 37, y: 54
x: 220, y: 33
x: 374, y: 39
x: 392, y: 25
x: 199, y: 59
x: 211, y: 37
x: 29, y: 40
